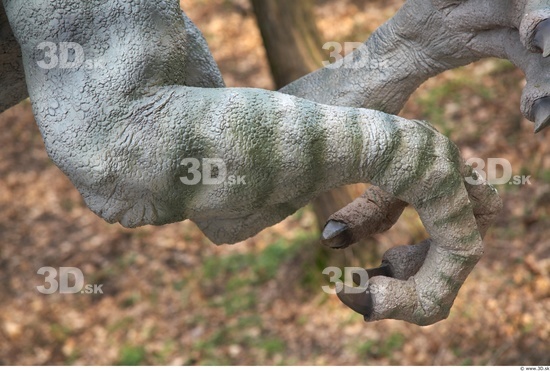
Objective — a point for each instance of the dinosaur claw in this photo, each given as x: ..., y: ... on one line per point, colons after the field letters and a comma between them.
x: 336, y: 235
x: 382, y: 270
x: 360, y: 302
x: 542, y: 37
x: 541, y: 111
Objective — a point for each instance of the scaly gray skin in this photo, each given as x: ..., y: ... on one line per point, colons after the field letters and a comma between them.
x: 120, y: 133
x: 428, y: 37
x: 424, y: 39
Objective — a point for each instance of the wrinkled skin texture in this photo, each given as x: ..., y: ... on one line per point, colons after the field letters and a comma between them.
x: 120, y: 132
x: 424, y: 39
x: 427, y: 37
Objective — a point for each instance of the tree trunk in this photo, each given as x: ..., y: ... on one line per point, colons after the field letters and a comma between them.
x: 290, y: 37
x: 294, y: 49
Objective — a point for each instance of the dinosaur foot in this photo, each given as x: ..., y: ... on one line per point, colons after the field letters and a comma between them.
x: 359, y: 298
x: 400, y: 262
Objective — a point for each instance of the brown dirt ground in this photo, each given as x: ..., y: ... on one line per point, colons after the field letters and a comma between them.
x: 172, y: 297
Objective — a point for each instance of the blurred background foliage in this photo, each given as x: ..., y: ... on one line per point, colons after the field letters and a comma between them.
x: 172, y: 297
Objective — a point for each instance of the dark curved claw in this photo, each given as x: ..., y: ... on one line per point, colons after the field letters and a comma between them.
x: 336, y: 235
x: 542, y: 37
x: 541, y: 110
x: 359, y: 302
x: 382, y: 270
x: 358, y: 299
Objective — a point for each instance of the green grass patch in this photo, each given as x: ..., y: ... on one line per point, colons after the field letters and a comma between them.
x: 120, y: 324
x: 457, y: 90
x: 381, y: 349
x: 272, y: 346
x: 131, y: 356
x: 239, y: 277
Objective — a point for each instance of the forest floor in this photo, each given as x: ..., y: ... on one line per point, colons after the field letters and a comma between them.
x: 172, y: 297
